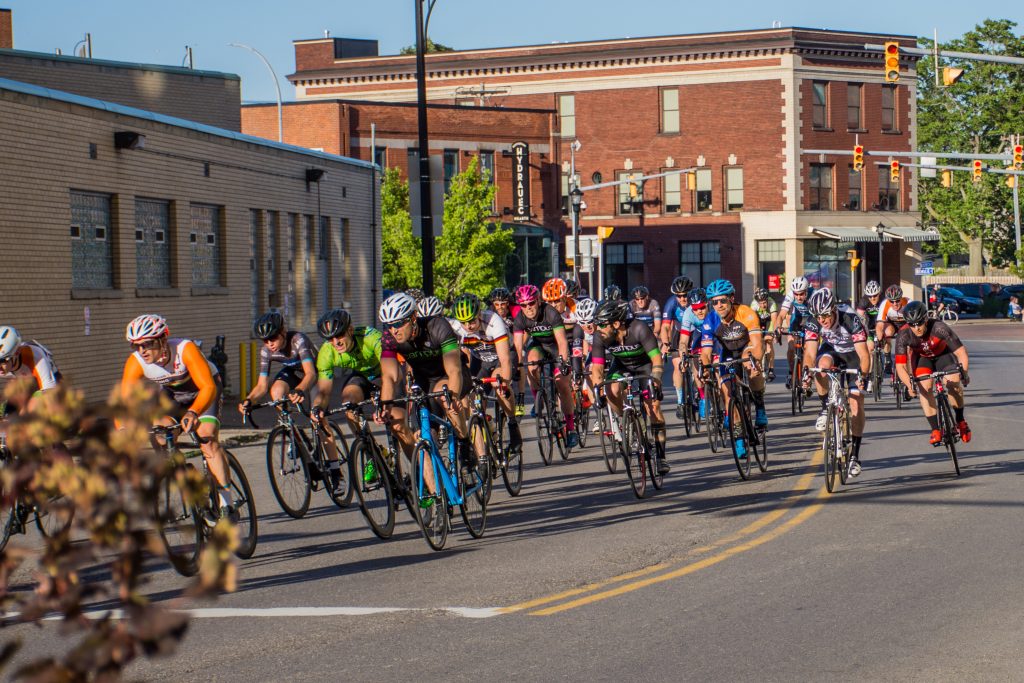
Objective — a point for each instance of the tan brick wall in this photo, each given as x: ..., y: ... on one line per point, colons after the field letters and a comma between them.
x: 200, y: 96
x: 45, y: 145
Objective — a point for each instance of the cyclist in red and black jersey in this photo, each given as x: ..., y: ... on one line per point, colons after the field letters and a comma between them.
x: 925, y: 346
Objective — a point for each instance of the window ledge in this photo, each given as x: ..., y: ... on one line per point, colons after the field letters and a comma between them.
x: 818, y: 129
x: 668, y: 134
x: 97, y: 294
x: 892, y: 132
x: 144, y: 292
x: 856, y: 130
x: 209, y: 291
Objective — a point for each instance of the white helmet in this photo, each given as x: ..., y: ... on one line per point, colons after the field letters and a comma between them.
x: 10, y: 340
x: 585, y: 309
x: 799, y: 284
x: 397, y: 307
x: 822, y: 302
x: 146, y: 326
x: 872, y: 289
x: 429, y: 307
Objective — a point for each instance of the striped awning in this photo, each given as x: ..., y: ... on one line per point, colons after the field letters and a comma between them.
x: 848, y: 234
x: 911, y: 234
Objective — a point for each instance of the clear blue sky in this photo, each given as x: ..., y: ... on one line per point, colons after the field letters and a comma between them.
x: 158, y: 31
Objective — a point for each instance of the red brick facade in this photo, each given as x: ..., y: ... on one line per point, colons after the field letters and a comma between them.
x: 6, y: 30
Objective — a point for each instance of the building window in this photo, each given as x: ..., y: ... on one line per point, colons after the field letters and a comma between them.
x: 624, y: 265
x: 255, y: 224
x: 888, y: 191
x: 889, y: 108
x: 826, y: 264
x: 673, y: 193
x: 347, y: 266
x: 670, y: 110
x: 627, y: 205
x: 566, y: 186
x: 92, y: 263
x: 324, y: 261
x: 567, y: 115
x: 270, y: 254
x: 853, y: 99
x: 819, y: 103
x: 854, y: 203
x: 307, y: 269
x: 820, y: 183
x: 205, y: 242
x: 733, y: 189
x: 152, y: 244
x: 291, y: 237
x: 451, y: 168
x: 487, y: 170
x: 702, y: 199
x: 700, y: 261
x: 380, y: 156
x: 771, y: 265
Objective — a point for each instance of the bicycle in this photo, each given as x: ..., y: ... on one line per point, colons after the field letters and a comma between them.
x: 837, y: 443
x: 549, y: 421
x: 185, y: 521
x: 640, y: 450
x: 608, y: 427
x: 714, y: 413
x: 741, y: 423
x: 581, y: 408
x: 691, y: 397
x: 796, y: 379
x: 470, y: 493
x: 51, y: 519
x: 877, y: 370
x: 503, y: 458
x: 297, y: 463
x: 947, y: 424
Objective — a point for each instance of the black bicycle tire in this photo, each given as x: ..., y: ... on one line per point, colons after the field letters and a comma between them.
x: 477, y: 499
x: 557, y: 419
x: 633, y: 455
x: 360, y: 455
x: 437, y: 534
x: 240, y: 489
x: 687, y: 403
x: 609, y: 449
x: 479, y: 422
x: 653, y: 456
x: 948, y: 433
x: 714, y: 417
x: 344, y: 500
x: 583, y: 422
x: 275, y: 464
x: 828, y: 448
x: 186, y: 562
x: 897, y: 387
x: 512, y: 459
x: 736, y: 406
x: 545, y: 443
x: 61, y: 508
x: 843, y: 466
x: 877, y: 375
x: 10, y: 513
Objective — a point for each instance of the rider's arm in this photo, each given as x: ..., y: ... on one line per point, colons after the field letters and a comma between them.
x: 131, y: 375
x: 563, y: 344
x: 260, y: 388
x: 865, y: 358
x: 453, y: 367
x: 325, y: 376
x: 199, y: 370
x: 389, y: 377
x: 649, y: 343
x: 901, y: 357
x: 810, y: 343
x: 657, y: 319
x: 501, y: 347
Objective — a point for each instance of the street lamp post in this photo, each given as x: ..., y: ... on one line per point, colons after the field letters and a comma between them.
x: 879, y: 230
x: 576, y: 199
x: 426, y: 211
x: 280, y: 120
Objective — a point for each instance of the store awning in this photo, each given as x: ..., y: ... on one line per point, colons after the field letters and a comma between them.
x: 911, y: 234
x: 847, y: 234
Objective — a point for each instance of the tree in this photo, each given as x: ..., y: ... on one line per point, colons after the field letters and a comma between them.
x: 431, y: 47
x: 401, y: 252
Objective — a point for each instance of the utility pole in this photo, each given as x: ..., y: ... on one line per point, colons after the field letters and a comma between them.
x: 426, y: 211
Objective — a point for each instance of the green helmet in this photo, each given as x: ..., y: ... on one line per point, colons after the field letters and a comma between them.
x: 466, y: 307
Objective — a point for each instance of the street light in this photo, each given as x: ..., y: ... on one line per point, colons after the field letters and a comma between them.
x: 576, y: 201
x: 880, y: 231
x: 280, y: 124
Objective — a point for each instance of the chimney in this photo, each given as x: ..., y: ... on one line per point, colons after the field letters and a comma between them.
x: 6, y: 29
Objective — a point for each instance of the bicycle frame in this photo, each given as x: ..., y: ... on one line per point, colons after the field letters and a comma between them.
x: 442, y: 474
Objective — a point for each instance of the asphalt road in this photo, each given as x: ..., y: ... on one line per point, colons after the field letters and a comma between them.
x: 908, y: 573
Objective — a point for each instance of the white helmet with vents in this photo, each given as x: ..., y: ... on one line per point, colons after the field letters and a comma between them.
x: 146, y: 326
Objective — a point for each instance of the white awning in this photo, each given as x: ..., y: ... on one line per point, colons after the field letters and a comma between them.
x: 847, y: 234
x: 911, y: 234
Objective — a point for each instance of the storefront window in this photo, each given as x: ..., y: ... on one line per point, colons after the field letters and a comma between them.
x: 771, y: 265
x: 826, y: 264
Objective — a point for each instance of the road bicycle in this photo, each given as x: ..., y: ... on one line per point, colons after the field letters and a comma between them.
x: 714, y: 413
x: 691, y: 396
x: 878, y: 358
x: 490, y: 431
x: 837, y: 443
x: 51, y: 519
x: 944, y: 411
x: 741, y: 421
x: 798, y: 392
x: 297, y: 462
x: 548, y: 415
x: 639, y: 448
x: 185, y: 521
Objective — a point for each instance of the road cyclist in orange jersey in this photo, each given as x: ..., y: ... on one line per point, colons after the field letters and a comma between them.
x: 20, y: 358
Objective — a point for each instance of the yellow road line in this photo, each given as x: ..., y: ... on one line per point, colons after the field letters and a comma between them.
x: 584, y: 589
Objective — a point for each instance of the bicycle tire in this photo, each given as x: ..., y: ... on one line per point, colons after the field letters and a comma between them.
x: 433, y: 523
x: 583, y: 421
x: 654, y: 453
x: 897, y: 388
x: 737, y: 426
x: 687, y: 403
x: 54, y: 518
x: 949, y: 435
x: 609, y: 449
x: 761, y: 452
x: 845, y: 446
x: 344, y: 499
x: 178, y: 523
x: 633, y: 452
x: 511, y: 459
x: 714, y: 418
x: 557, y: 420
x: 829, y: 449
x: 545, y: 441
x: 478, y: 426
x: 475, y: 492
x: 288, y: 473
x: 376, y: 499
x: 243, y: 503
x: 876, y: 373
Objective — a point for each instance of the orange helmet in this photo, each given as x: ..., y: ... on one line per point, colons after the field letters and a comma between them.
x: 554, y: 290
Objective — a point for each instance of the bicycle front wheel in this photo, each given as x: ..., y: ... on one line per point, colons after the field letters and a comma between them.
x: 511, y: 459
x: 242, y: 503
x: 342, y: 497
x: 475, y: 490
x: 634, y: 452
x: 54, y: 517
x: 582, y: 420
x: 289, y: 476
x: 738, y: 433
x: 714, y: 418
x: 608, y: 445
x: 479, y: 432
x: 431, y: 509
x: 178, y: 522
x: 654, y: 454
x: 376, y: 500
x: 949, y: 434
x: 545, y: 435
x: 830, y: 449
x: 761, y: 452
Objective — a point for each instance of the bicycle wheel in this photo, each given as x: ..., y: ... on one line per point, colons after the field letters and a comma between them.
x: 830, y: 449
x: 716, y: 428
x: 897, y: 388
x: 688, y: 391
x: 582, y: 420
x: 343, y: 497
x: 376, y: 499
x: 949, y: 433
x: 433, y: 518
x: 654, y: 453
x: 479, y: 428
x: 608, y: 446
x: 511, y: 459
x: 558, y: 425
x: 876, y: 374
x: 289, y: 475
x: 475, y: 490
x: 545, y: 438
x: 634, y: 452
x: 845, y: 446
x: 243, y: 503
x: 737, y: 430
x: 178, y: 522
x: 761, y: 452
x: 54, y: 517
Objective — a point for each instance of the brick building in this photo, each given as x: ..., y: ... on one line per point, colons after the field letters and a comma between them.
x: 741, y: 107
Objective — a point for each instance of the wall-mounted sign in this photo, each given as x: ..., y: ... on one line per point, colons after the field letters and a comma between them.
x: 774, y: 283
x: 520, y: 182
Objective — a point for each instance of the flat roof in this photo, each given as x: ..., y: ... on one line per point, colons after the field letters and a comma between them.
x: 375, y: 103
x: 113, y: 107
x: 181, y: 70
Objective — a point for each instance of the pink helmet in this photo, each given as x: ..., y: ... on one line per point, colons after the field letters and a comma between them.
x: 146, y: 326
x: 527, y: 294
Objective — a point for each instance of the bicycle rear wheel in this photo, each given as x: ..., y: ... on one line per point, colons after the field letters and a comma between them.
x: 609, y: 449
x: 511, y: 458
x: 654, y: 454
x: 343, y: 497
x: 431, y: 510
x: 545, y: 436
x: 582, y: 420
x: 738, y: 430
x: 178, y: 521
x: 376, y: 499
x: 479, y: 430
x: 243, y: 503
x: 830, y: 449
x: 289, y: 475
x: 475, y: 490
x: 949, y: 433
x: 634, y: 452
x: 713, y: 407
x: 559, y: 426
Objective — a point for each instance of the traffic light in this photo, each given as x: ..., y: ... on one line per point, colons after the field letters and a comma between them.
x: 858, y: 158
x: 1018, y: 157
x: 947, y: 179
x: 951, y: 74
x: 1011, y: 180
x: 691, y: 181
x: 632, y: 187
x: 605, y: 231
x: 894, y: 171
x: 892, y: 61
x: 976, y: 170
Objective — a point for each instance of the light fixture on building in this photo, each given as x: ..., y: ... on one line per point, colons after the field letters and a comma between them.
x: 313, y: 175
x: 126, y: 139
x: 576, y: 196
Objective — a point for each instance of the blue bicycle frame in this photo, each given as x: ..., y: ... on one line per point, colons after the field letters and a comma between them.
x: 448, y: 476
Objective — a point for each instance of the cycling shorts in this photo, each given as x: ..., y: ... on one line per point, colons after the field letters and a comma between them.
x: 923, y: 365
x: 292, y: 376
x: 183, y: 400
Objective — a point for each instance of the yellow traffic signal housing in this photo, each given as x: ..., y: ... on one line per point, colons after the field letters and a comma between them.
x: 858, y: 158
x: 892, y: 61
x: 1011, y: 180
x: 951, y: 74
x: 691, y: 181
x: 894, y: 171
x: 605, y: 231
x: 633, y: 191
x: 976, y: 170
x: 854, y: 262
x: 947, y: 179
x: 1018, y: 157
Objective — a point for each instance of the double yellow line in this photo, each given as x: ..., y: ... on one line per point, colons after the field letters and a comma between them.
x: 626, y: 583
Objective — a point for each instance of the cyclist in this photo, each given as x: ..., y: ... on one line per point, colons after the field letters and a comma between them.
x: 837, y: 339
x: 484, y: 337
x: 791, y: 314
x: 926, y: 346
x: 583, y: 337
x: 890, y: 320
x: 690, y: 340
x: 350, y: 357
x: 628, y: 346
x: 500, y: 300
x: 27, y: 359
x: 671, y: 317
x: 645, y: 309
x: 555, y: 294
x: 547, y: 340
x: 429, y: 306
x: 192, y: 384
x: 768, y: 313
x: 293, y: 350
x: 867, y: 309
x: 612, y: 292
x: 735, y: 332
x: 572, y: 290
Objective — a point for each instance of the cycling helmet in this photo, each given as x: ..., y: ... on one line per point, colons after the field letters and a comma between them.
x: 386, y: 293
x: 500, y: 294
x: 640, y: 292
x: 572, y: 288
x: 146, y: 326
x: 720, y: 288
x: 894, y: 293
x: 10, y: 340
x: 334, y: 323
x: 761, y: 294
x: 821, y: 302
x: 610, y: 311
x: 268, y: 326
x: 585, y: 309
x: 697, y: 298
x: 466, y: 308
x: 430, y: 307
x: 799, y: 284
x: 416, y: 293
x: 554, y: 290
x: 527, y: 294
x: 872, y: 289
x: 612, y: 292
x: 396, y: 308
x: 681, y: 285
x: 915, y: 313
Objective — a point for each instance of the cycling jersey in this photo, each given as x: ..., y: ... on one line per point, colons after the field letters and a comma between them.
x: 297, y: 349
x: 845, y: 331
x: 765, y: 311
x: 424, y: 352
x: 634, y: 353
x: 187, y: 377
x: 731, y: 337
x: 569, y: 315
x: 688, y: 325
x: 363, y: 359
x: 798, y: 308
x: 939, y: 339
x: 541, y: 329
x: 482, y: 343
x: 35, y: 361
x: 870, y: 311
x: 892, y: 313
x: 648, y: 314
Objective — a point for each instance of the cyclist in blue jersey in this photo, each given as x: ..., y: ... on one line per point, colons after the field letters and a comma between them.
x: 671, y: 317
x: 693, y: 318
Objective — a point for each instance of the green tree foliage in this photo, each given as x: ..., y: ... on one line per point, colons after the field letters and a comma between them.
x: 431, y: 47
x: 978, y: 114
x: 401, y: 252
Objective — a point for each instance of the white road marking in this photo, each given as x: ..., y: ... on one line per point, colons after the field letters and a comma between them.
x: 285, y: 612
x: 993, y: 341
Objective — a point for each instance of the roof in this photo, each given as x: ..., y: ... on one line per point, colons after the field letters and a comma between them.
x: 376, y: 103
x: 120, y: 65
x: 92, y: 103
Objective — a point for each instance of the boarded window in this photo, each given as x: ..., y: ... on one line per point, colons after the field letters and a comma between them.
x: 152, y: 244
x: 204, y: 239
x: 92, y: 264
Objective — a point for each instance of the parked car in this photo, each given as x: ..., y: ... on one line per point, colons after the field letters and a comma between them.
x: 964, y: 303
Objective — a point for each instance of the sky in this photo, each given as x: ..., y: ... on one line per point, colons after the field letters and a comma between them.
x: 157, y: 32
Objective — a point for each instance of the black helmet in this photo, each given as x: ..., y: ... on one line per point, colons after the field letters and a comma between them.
x: 612, y: 292
x: 761, y: 294
x: 697, y: 297
x: 639, y: 292
x: 915, y: 313
x: 894, y: 293
x: 610, y: 311
x: 334, y: 323
x: 572, y: 288
x: 681, y: 285
x: 499, y: 294
x: 268, y: 326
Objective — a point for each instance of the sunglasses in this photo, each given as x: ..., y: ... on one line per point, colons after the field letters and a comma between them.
x: 398, y: 324
x: 532, y: 304
x: 148, y: 345
x: 822, y: 316
x: 720, y: 301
